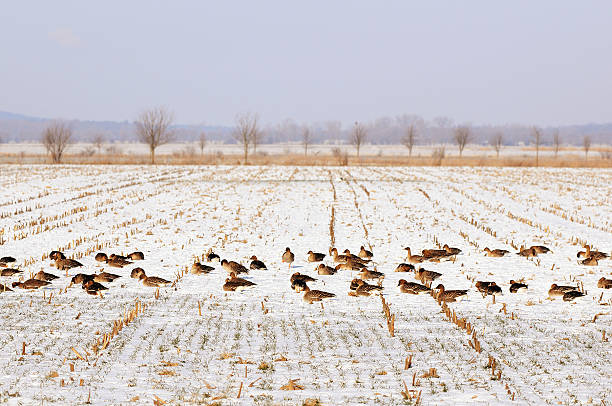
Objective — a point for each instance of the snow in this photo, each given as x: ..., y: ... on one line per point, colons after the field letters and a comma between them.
x: 253, y: 342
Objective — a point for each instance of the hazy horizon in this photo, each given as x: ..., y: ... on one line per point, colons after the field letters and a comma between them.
x: 546, y: 63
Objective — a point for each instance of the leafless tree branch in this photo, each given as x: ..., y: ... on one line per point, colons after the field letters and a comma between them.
x: 153, y: 128
x: 358, y: 135
x: 56, y: 138
x: 462, y: 136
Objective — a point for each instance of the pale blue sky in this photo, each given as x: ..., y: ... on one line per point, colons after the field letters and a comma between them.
x: 531, y: 62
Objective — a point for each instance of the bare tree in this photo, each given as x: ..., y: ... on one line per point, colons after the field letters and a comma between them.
x: 98, y: 141
x: 462, y: 136
x: 358, y: 135
x: 536, y: 134
x: 56, y: 138
x: 410, y: 138
x: 202, y: 142
x: 256, y: 138
x: 246, y: 127
x: 556, y: 142
x: 306, y: 138
x: 153, y: 128
x: 586, y: 145
x: 498, y: 141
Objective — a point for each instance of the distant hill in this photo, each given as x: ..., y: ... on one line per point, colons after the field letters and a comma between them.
x: 386, y: 130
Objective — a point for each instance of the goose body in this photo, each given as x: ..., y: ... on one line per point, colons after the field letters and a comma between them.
x: 356, y: 258
x: 105, y: 277
x: 412, y: 287
x: 495, y: 253
x: 590, y: 261
x: 44, y: 276
x: 10, y: 272
x: 413, y: 259
x: 7, y: 260
x: 323, y: 269
x: 365, y: 289
x: 80, y: 278
x: 311, y: 296
x: 298, y: 276
x: 257, y: 264
x: 367, y: 274
x: 450, y: 295
x: 199, y: 269
x: 451, y: 250
x: 233, y: 283
x: 488, y: 288
x: 540, y: 249
x: 528, y: 253
x: 101, y: 257
x: 65, y: 264
x: 315, y: 256
x: 604, y: 283
x: 572, y: 295
x: 153, y: 281
x: 93, y: 287
x: 136, y: 256
x: 404, y: 268
x: 233, y: 266
x: 117, y: 261
x: 212, y: 257
x: 426, y: 276
x: 288, y: 257
x: 30, y: 284
x: 364, y: 253
x: 558, y: 291
x: 516, y: 287
x: 349, y: 266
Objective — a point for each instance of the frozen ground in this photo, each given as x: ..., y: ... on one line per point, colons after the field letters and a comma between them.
x: 241, y: 348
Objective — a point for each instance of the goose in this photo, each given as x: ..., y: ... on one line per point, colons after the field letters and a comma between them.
x: 44, y: 276
x: 517, y: 287
x: 341, y: 258
x: 413, y: 259
x: 288, y: 257
x: 323, y: 269
x: 30, y: 284
x: 558, y: 291
x: 117, y: 261
x: 233, y: 266
x: 105, y: 277
x: 365, y: 289
x: 298, y: 276
x: 212, y: 257
x: 65, y: 264
x: 426, y: 276
x: 355, y: 283
x: 540, y: 249
x: 311, y: 296
x: 257, y: 264
x: 136, y: 256
x: 450, y: 295
x: 233, y: 283
x: 315, y: 256
x: 80, y: 278
x: 101, y: 257
x: 136, y: 272
x: 604, y: 283
x: 412, y: 287
x: 350, y: 266
x: 488, y: 288
x: 496, y: 253
x: 93, y: 287
x: 117, y: 256
x: 7, y: 260
x: 298, y: 285
x: 199, y: 269
x: 528, y: 252
x: 404, y: 268
x: 10, y: 272
x: 588, y: 253
x: 433, y: 254
x: 364, y: 253
x: 367, y: 274
x: 572, y: 295
x: 356, y: 258
x: 153, y: 281
x: 451, y: 250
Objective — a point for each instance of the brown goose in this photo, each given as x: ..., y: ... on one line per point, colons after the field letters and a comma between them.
x: 558, y: 291
x: 588, y: 253
x: 311, y: 296
x: 212, y: 257
x: 590, y: 261
x: 365, y: 289
x: 356, y: 258
x: 80, y: 278
x: 233, y: 266
x: 404, y: 268
x: 488, y: 288
x: 298, y: 285
x: 315, y: 256
x: 54, y: 255
x: 136, y: 256
x: 433, y: 254
x: 298, y: 276
x: 10, y: 272
x: 496, y: 253
x: 451, y: 250
x: 101, y: 257
x: 65, y: 264
x: 44, y: 276
x: 367, y: 274
x: 7, y: 260
x: 450, y: 295
x: 540, y: 249
x: 92, y: 287
x: 346, y: 258
x: 257, y: 264
x: 517, y: 287
x: 350, y: 266
x: 136, y: 272
x: 355, y: 283
x: 288, y: 257
x: 234, y: 284
x: 364, y: 253
x: 31, y: 284
x: 528, y: 253
x: 153, y: 281
x: 426, y: 276
x: 117, y: 261
x: 604, y: 283
x: 412, y: 287
x: 413, y: 259
x: 105, y: 277
x: 323, y: 269
x: 199, y: 269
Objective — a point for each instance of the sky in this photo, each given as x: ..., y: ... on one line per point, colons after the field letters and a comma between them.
x: 481, y: 62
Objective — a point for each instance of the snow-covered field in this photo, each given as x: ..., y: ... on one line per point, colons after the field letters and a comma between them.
x: 194, y: 343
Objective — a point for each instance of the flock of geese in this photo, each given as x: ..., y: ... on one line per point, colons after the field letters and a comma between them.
x: 361, y: 263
